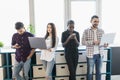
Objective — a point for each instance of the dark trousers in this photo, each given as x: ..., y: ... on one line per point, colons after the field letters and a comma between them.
x: 72, y: 61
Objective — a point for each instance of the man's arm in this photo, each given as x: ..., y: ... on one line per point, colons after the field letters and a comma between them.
x: 31, y: 53
x: 77, y: 39
x: 14, y: 44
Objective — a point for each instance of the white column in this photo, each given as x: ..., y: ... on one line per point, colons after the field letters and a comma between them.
x: 67, y: 13
x: 99, y: 10
x: 31, y: 13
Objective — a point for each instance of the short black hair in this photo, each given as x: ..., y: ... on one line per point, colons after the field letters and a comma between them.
x: 94, y: 16
x: 19, y: 25
x: 70, y: 22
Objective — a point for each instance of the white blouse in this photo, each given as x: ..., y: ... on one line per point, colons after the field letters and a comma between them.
x: 46, y: 54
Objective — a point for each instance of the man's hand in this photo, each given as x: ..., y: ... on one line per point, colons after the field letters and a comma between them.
x: 31, y: 54
x: 16, y: 46
x: 96, y: 42
x: 28, y: 57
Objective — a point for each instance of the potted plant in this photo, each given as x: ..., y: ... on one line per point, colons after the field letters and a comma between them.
x: 1, y: 45
x: 31, y: 29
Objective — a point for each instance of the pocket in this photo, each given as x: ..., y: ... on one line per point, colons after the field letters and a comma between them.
x: 28, y: 60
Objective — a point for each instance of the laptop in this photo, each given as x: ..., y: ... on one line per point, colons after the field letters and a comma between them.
x: 37, y: 42
x: 108, y: 38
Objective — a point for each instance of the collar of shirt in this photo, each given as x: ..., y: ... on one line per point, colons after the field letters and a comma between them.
x: 22, y: 34
x: 69, y: 32
x: 93, y: 29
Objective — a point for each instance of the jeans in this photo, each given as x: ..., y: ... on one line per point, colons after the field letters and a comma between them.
x: 48, y: 66
x: 97, y: 61
x: 18, y: 66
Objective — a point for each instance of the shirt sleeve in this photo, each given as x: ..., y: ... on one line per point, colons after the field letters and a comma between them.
x: 78, y: 38
x: 63, y: 39
x: 13, y: 40
x: 84, y: 39
x: 56, y: 44
x: 31, y: 35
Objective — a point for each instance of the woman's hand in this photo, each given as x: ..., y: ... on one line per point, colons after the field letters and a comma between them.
x: 72, y: 36
x: 50, y: 49
x: 47, y: 49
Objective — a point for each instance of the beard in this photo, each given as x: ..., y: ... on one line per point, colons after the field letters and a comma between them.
x: 95, y: 25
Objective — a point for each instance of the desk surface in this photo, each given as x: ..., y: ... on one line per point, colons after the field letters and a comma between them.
x: 10, y: 50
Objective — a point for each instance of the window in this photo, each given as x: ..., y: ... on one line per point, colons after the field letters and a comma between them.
x: 49, y: 11
x: 11, y: 12
x: 111, y: 18
x: 81, y: 12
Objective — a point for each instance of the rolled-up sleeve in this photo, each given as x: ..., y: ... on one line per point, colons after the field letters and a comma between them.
x: 78, y: 38
x: 63, y: 39
x: 13, y: 40
x: 85, y: 41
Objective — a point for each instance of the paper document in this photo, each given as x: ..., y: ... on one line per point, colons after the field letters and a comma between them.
x: 108, y: 38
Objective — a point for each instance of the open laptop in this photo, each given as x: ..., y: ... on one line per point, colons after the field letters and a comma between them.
x: 108, y: 38
x: 37, y: 42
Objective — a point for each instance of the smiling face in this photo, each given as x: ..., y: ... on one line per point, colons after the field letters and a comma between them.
x: 95, y: 22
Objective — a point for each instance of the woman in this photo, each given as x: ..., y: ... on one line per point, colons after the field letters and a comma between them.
x: 70, y: 41
x: 48, y: 55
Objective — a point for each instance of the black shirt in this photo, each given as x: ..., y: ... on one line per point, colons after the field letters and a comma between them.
x: 71, y: 46
x: 23, y: 52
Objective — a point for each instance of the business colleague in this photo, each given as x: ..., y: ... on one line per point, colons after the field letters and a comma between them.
x: 91, y: 39
x: 23, y: 52
x: 70, y: 41
x: 48, y: 55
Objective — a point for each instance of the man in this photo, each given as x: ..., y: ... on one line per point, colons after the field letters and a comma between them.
x: 91, y: 38
x: 70, y: 41
x: 23, y: 52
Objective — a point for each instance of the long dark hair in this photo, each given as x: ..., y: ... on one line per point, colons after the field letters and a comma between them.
x: 53, y: 34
